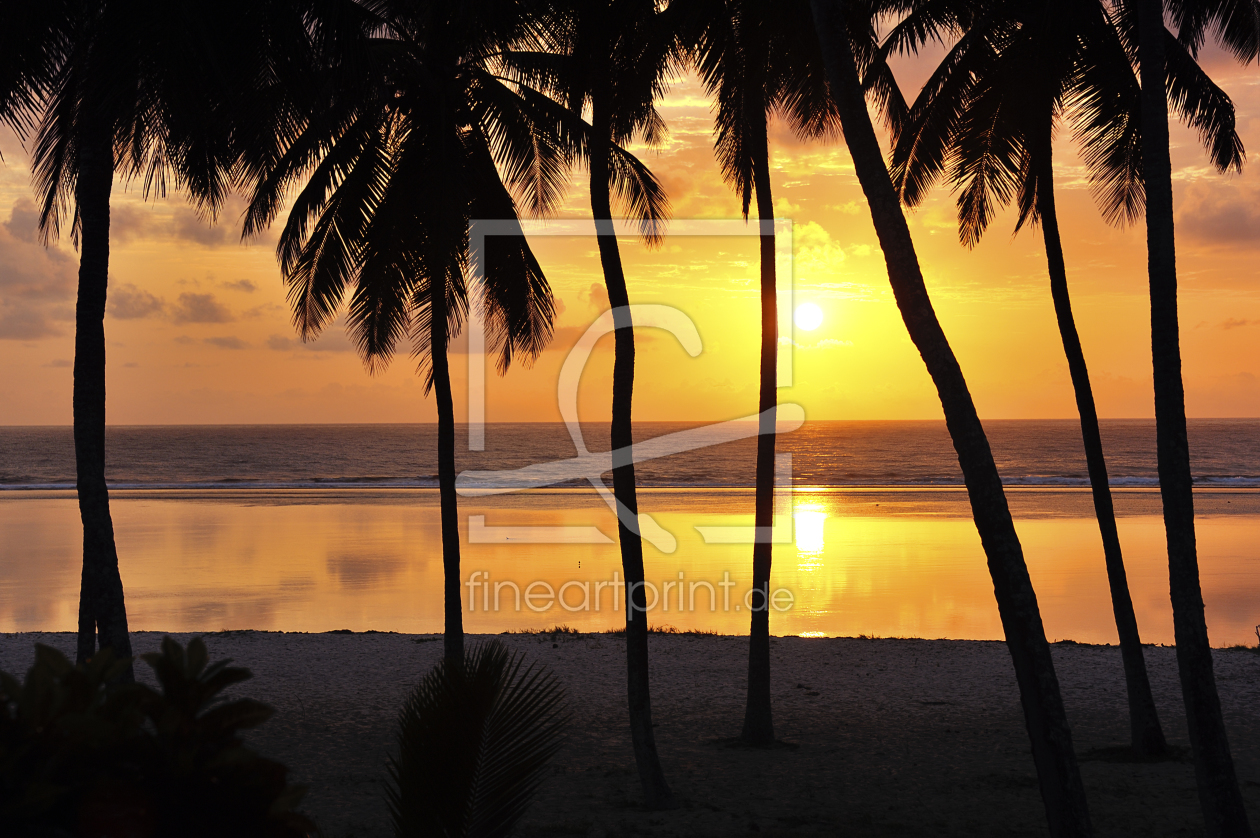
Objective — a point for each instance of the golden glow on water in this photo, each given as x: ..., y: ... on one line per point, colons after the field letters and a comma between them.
x: 907, y: 564
x: 810, y: 524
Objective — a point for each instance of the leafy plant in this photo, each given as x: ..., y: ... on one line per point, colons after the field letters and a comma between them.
x: 83, y: 754
x: 473, y: 745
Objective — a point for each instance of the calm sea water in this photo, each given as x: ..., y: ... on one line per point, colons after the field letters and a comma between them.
x: 312, y: 528
x: 1224, y: 453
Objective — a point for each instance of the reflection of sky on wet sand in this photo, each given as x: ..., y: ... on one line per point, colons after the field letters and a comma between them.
x: 876, y: 562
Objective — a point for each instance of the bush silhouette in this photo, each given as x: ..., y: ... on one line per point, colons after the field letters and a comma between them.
x: 83, y: 755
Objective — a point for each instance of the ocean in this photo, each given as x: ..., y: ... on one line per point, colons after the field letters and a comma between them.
x: 1224, y: 453
x: 316, y: 528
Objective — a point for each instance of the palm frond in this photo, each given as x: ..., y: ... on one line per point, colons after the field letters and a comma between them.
x: 474, y: 740
x: 639, y: 192
x: 528, y: 139
x: 923, y: 149
x: 1234, y: 23
x: 1104, y: 106
x: 318, y: 266
x: 519, y: 305
x: 1203, y: 106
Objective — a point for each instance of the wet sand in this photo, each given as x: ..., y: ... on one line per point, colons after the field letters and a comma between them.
x: 883, y: 737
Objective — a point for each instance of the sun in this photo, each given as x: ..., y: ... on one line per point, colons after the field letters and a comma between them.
x: 808, y: 317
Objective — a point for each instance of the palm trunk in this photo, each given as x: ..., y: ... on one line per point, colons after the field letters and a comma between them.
x: 453, y: 637
x: 1145, y: 732
x: 656, y: 791
x: 1057, y: 770
x: 1219, y: 794
x: 102, y: 611
x: 758, y: 715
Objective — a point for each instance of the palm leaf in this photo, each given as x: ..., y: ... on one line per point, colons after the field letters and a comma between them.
x: 474, y: 741
x: 1203, y: 106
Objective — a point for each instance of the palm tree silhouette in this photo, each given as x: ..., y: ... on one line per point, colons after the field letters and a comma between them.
x: 413, y: 135
x: 985, y: 120
x: 614, y: 56
x: 759, y: 59
x: 149, y: 91
x: 1236, y: 24
x: 845, y: 31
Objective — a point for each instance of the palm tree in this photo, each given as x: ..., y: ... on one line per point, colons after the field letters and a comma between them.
x: 613, y: 56
x: 1236, y: 23
x: 841, y: 26
x: 759, y: 59
x: 147, y: 90
x: 414, y: 135
x: 988, y: 116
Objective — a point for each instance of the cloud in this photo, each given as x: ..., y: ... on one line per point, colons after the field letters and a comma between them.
x: 333, y: 339
x: 127, y: 302
x: 37, y: 284
x: 130, y: 219
x: 200, y: 308
x: 127, y: 222
x: 23, y: 223
x: 193, y: 229
x: 241, y: 285
x: 1234, y: 323
x: 59, y: 363
x: 816, y: 253
x: 596, y: 296
x: 227, y: 342
x: 1219, y: 213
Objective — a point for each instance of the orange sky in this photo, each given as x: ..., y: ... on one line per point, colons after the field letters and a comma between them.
x: 198, y: 330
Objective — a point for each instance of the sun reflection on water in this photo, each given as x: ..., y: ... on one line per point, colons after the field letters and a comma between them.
x: 810, y: 528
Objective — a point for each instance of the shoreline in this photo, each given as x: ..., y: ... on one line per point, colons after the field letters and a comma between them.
x: 67, y: 490
x: 887, y: 736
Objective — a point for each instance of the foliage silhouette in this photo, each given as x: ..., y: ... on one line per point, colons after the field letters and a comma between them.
x: 1236, y: 25
x: 759, y: 59
x: 985, y: 121
x: 615, y: 57
x: 474, y: 741
x: 82, y: 754
x: 844, y: 30
x: 414, y: 130
x: 149, y: 90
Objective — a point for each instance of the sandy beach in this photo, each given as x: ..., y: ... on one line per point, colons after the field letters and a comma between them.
x: 884, y: 737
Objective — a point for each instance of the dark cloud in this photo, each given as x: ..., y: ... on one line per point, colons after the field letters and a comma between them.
x: 228, y: 342
x: 131, y: 365
x: 127, y: 302
x: 1220, y: 213
x: 241, y: 285
x: 200, y: 308
x: 59, y: 363
x: 37, y: 284
x: 1234, y: 323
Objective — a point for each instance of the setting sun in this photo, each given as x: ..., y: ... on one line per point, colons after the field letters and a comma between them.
x: 808, y: 317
